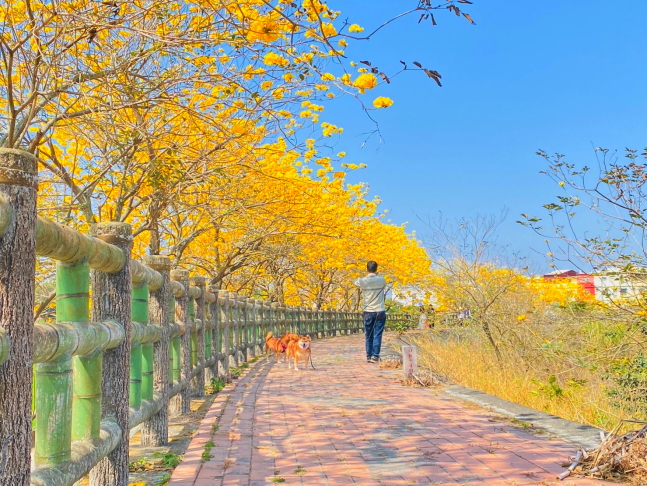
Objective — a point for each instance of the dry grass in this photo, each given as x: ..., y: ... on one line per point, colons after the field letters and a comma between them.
x: 619, y: 457
x: 473, y: 364
x: 390, y: 363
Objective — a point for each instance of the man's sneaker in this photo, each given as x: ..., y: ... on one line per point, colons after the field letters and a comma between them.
x: 369, y: 360
x: 375, y: 359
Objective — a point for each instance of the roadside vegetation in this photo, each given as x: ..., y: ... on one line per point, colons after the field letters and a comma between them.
x: 546, y: 344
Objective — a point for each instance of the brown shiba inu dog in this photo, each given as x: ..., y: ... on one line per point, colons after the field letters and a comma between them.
x: 274, y: 344
x: 300, y: 349
x: 287, y: 338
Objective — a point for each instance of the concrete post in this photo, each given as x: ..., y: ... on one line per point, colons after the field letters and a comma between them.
x: 18, y: 182
x: 155, y: 430
x: 111, y: 294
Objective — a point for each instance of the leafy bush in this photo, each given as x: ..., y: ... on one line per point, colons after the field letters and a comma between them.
x: 629, y: 382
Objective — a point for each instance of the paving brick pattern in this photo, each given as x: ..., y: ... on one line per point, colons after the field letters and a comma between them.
x: 349, y: 422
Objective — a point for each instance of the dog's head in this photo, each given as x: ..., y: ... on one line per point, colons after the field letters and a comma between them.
x: 304, y: 342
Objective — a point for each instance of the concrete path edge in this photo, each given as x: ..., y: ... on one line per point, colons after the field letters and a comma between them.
x: 578, y: 434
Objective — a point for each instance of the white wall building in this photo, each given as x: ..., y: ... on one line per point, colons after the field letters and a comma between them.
x: 614, y: 287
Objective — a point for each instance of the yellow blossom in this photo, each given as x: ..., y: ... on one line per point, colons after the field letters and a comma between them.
x: 364, y: 82
x: 273, y: 59
x: 382, y: 102
x: 263, y: 29
x: 355, y: 28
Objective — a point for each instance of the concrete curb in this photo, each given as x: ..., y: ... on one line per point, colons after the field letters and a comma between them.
x: 567, y: 430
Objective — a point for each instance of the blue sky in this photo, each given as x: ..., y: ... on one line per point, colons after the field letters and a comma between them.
x: 560, y: 76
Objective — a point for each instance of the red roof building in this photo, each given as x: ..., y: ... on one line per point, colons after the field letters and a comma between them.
x: 584, y: 279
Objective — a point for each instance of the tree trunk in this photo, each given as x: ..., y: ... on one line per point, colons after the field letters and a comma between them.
x: 488, y: 333
x: 111, y: 294
x: 18, y: 176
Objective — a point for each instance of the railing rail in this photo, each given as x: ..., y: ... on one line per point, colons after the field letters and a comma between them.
x: 132, y: 342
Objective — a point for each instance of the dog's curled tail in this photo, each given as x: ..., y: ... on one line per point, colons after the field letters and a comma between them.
x: 269, y: 335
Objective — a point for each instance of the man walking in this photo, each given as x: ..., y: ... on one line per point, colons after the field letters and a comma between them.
x: 373, y: 291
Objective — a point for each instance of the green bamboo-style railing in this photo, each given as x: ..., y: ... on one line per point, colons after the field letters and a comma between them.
x: 154, y: 338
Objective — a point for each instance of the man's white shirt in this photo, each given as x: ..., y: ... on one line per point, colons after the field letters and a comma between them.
x: 373, y: 291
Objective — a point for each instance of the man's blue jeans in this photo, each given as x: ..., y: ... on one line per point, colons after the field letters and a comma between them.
x: 373, y: 328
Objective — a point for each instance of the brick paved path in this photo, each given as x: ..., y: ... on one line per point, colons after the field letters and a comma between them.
x: 349, y: 422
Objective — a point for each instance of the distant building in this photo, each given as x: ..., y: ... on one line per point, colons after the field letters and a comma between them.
x: 605, y: 286
x: 613, y: 287
x: 412, y: 297
x: 584, y: 279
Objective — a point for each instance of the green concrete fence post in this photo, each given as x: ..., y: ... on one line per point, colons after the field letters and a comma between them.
x: 111, y: 294
x: 243, y: 326
x: 155, y: 429
x: 209, y: 357
x: 200, y: 323
x: 274, y: 317
x: 303, y: 317
x: 308, y: 322
x: 73, y: 305
x: 299, y: 325
x: 258, y: 325
x: 264, y: 327
x: 225, y: 326
x: 251, y: 327
x: 174, y: 348
x: 139, y: 316
x: 234, y: 328
x: 181, y: 403
x: 282, y: 320
x: 18, y: 182
x: 217, y: 333
x: 192, y: 327
x: 54, y: 378
x: 289, y: 322
x: 213, y: 338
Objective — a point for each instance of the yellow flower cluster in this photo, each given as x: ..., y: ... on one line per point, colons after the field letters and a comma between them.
x: 264, y: 29
x: 382, y: 102
x: 364, y: 82
x: 273, y: 59
x: 329, y: 129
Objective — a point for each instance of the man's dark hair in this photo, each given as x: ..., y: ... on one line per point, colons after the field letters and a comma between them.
x: 371, y: 266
